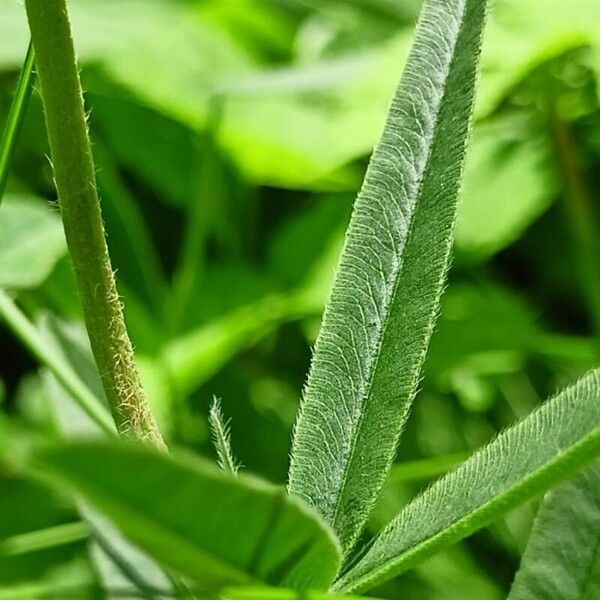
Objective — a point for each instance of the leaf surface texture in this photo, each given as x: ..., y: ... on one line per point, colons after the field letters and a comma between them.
x: 208, y: 525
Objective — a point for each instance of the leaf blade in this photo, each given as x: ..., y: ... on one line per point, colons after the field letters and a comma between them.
x: 565, y: 433
x: 283, y: 541
x: 16, y: 116
x: 385, y: 297
x: 562, y: 558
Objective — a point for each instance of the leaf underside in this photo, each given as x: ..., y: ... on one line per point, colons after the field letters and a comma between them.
x: 562, y: 558
x: 549, y: 445
x: 385, y: 297
x: 283, y: 541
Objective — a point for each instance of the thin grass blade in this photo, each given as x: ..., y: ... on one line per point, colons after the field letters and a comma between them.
x: 16, y: 116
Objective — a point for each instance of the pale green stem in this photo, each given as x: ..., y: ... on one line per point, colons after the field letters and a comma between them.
x: 80, y: 209
x: 15, y: 119
x: 43, y: 539
x: 31, y: 338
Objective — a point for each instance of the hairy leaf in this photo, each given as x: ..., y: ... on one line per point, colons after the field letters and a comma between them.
x: 562, y: 558
x: 386, y: 293
x: 550, y: 444
x: 209, y: 526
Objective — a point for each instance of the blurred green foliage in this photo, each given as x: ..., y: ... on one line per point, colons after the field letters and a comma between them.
x: 230, y: 138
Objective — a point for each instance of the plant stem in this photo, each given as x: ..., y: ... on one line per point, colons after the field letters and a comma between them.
x: 51, y: 537
x: 16, y: 116
x: 80, y: 209
x: 579, y: 207
x: 29, y: 335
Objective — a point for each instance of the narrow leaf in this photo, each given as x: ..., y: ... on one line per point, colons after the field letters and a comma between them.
x: 51, y: 537
x: 526, y: 459
x: 222, y: 438
x: 382, y: 308
x: 16, y: 116
x: 562, y: 558
x: 224, y: 530
x: 31, y: 338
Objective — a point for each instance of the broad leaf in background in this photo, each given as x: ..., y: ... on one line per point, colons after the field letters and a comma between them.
x: 292, y: 126
x: 562, y: 558
x: 31, y: 241
x: 172, y: 74
x: 549, y: 445
x: 380, y: 315
x: 225, y: 530
x: 198, y: 354
x: 279, y: 138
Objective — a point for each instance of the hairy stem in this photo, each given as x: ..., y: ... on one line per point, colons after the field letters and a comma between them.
x: 15, y: 119
x: 80, y: 209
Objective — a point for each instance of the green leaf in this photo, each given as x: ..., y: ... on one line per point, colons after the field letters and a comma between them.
x: 44, y: 352
x: 171, y: 74
x: 562, y: 558
x: 479, y: 320
x: 548, y: 445
x: 31, y: 242
x: 16, y: 116
x: 212, y: 527
x: 386, y: 293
